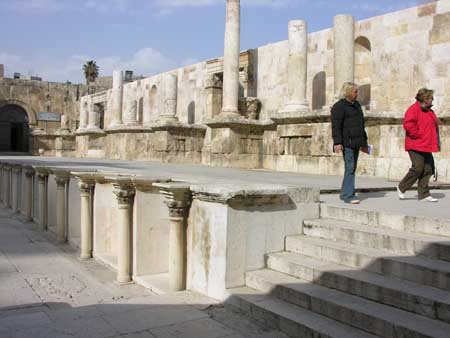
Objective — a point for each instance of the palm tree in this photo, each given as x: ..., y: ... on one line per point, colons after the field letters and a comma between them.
x: 90, y: 69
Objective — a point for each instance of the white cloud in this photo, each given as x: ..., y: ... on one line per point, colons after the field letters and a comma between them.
x: 146, y: 61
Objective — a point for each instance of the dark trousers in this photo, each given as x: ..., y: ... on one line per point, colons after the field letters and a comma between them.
x: 348, y: 183
x: 421, y: 170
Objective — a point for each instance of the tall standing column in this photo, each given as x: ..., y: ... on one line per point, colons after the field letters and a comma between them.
x: 178, y: 199
x: 42, y: 203
x: 86, y: 219
x: 231, y: 60
x: 29, y: 173
x: 170, y: 99
x: 2, y: 183
x: 344, y: 51
x: 124, y: 194
x: 297, y: 67
x: 117, y: 98
x: 84, y: 108
x: 61, y: 184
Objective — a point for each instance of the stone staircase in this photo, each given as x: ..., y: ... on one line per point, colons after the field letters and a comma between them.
x: 355, y: 274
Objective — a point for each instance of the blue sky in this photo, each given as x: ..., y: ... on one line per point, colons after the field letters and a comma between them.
x: 53, y: 38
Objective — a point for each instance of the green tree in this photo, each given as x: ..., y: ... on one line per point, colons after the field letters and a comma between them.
x: 90, y: 70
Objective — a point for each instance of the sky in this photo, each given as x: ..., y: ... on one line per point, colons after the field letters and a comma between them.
x: 54, y: 38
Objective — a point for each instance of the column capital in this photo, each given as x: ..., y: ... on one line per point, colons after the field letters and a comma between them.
x: 124, y: 193
x: 177, y: 197
x: 85, y: 186
x: 29, y: 172
x: 61, y: 180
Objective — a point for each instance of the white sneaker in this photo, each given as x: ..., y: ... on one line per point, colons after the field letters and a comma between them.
x: 429, y: 199
x: 401, y: 195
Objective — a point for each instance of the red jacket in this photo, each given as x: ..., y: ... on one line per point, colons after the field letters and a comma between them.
x: 421, y: 129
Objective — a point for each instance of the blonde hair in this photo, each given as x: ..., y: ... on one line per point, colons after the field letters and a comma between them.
x: 423, y: 94
x: 346, y: 89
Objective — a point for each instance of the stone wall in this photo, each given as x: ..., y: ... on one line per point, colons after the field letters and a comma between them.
x: 395, y: 54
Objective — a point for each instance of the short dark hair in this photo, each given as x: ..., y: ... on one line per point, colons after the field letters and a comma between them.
x: 423, y: 94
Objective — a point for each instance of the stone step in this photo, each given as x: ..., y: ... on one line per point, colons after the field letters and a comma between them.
x: 379, y: 238
x: 423, y: 300
x: 292, y: 320
x: 421, y: 270
x: 418, y: 224
x: 372, y: 317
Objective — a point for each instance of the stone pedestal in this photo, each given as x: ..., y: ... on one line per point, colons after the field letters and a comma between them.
x: 344, y: 51
x: 61, y: 186
x: 28, y: 207
x: 170, y: 101
x: 43, y: 199
x: 178, y: 199
x: 231, y: 60
x: 85, y: 219
x: 124, y: 194
x: 297, y: 68
x: 117, y: 98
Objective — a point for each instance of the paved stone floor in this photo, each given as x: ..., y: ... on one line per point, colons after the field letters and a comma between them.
x: 46, y: 292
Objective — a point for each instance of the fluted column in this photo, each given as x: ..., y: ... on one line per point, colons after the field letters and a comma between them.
x: 297, y: 67
x: 42, y: 191
x: 344, y: 51
x: 93, y: 119
x: 2, y: 184
x: 170, y: 98
x: 231, y: 60
x: 124, y: 194
x: 61, y: 184
x: 85, y: 219
x: 29, y: 173
x: 178, y: 199
x: 117, y: 98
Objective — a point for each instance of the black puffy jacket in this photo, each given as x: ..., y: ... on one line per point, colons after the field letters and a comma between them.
x: 347, y: 122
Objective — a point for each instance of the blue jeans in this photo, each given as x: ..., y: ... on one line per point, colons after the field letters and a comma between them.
x: 348, y: 183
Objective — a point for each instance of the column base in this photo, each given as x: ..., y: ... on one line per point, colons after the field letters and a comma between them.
x: 230, y: 114
x: 85, y: 257
x: 124, y: 280
x: 295, y: 108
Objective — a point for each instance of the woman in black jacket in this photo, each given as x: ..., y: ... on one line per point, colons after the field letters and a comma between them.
x: 349, y: 136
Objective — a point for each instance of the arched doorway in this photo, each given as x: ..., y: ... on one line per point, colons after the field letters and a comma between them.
x: 14, y: 129
x: 363, y: 70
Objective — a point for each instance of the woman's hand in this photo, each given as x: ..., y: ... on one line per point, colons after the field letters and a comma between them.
x: 338, y: 148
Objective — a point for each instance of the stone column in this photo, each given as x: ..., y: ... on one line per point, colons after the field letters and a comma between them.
x: 61, y: 184
x: 7, y: 186
x: 124, y: 194
x: 1, y: 183
x: 86, y: 219
x: 117, y: 98
x: 178, y: 199
x: 93, y: 120
x: 297, y: 67
x: 231, y: 60
x: 29, y: 173
x: 42, y: 202
x: 344, y: 51
x: 15, y: 189
x: 84, y: 107
x: 170, y: 98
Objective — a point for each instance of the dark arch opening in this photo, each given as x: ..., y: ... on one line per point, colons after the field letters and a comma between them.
x: 319, y: 90
x: 191, y: 113
x: 14, y: 129
x: 363, y: 69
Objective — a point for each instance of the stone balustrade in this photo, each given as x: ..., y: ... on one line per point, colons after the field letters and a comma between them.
x: 165, y: 235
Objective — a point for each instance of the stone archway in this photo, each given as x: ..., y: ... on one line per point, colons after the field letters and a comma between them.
x: 363, y: 69
x: 14, y: 128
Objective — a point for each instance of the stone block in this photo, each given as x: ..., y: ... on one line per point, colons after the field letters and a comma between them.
x: 440, y: 32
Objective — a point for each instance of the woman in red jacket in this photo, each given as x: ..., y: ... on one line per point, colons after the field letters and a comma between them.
x: 421, y: 127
